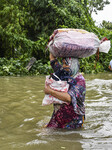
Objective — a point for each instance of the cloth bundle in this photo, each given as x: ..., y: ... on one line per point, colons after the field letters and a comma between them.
x: 55, y: 85
x: 76, y: 43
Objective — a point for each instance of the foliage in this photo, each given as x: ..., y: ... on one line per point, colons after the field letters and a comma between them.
x: 107, y: 25
x: 15, y: 67
x: 96, y: 5
x: 25, y: 27
x: 90, y: 65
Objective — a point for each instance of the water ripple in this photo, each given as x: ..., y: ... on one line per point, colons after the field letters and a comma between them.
x: 36, y: 142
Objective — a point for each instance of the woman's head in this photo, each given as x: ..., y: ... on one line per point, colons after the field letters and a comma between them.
x: 71, y: 63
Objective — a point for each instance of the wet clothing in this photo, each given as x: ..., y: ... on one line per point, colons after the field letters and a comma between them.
x: 65, y: 117
x: 70, y: 115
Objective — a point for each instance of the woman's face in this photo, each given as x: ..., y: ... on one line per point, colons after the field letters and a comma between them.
x: 65, y: 65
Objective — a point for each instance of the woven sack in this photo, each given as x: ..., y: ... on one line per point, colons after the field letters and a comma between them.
x: 73, y: 43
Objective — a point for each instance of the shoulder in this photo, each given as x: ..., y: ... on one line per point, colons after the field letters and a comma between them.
x: 80, y: 80
x: 77, y: 86
x: 80, y: 76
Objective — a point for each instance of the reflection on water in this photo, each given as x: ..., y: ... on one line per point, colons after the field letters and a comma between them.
x: 22, y: 116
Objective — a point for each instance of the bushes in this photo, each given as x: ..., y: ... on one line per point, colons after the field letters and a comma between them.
x: 25, y: 27
x: 90, y: 65
x: 15, y: 67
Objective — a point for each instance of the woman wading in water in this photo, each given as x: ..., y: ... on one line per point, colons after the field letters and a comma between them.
x: 72, y: 114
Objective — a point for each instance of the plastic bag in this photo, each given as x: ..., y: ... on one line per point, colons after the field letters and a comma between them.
x: 104, y: 47
x: 55, y: 85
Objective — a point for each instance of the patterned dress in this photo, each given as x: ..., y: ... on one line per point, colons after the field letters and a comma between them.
x: 70, y: 116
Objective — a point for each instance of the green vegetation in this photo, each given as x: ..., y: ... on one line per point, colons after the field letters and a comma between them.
x: 25, y: 27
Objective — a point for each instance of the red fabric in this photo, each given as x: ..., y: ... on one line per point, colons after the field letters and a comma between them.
x: 63, y: 116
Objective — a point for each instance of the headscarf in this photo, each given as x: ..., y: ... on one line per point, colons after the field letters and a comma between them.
x: 74, y: 65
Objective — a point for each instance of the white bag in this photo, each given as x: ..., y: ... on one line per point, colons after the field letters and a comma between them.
x: 61, y: 86
x: 105, y: 46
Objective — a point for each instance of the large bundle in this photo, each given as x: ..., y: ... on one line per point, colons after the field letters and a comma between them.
x: 73, y: 43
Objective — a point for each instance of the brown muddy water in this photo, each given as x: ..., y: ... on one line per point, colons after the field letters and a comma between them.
x: 22, y: 116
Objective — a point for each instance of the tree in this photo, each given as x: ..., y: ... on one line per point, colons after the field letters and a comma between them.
x: 25, y: 26
x: 93, y: 5
x: 107, y: 25
x: 96, y: 5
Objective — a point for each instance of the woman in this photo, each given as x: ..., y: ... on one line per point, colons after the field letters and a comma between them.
x: 69, y: 115
x: 110, y: 65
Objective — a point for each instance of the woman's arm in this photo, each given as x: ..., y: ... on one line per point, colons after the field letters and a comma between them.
x: 64, y: 96
x: 51, y: 57
x: 54, y: 63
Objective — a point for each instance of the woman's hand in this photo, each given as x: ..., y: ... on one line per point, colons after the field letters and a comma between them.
x: 64, y: 96
x: 47, y: 89
x: 51, y: 57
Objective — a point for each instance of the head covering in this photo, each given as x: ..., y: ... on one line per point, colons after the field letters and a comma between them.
x: 74, y: 65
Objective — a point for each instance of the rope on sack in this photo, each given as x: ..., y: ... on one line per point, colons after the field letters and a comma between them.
x: 97, y: 53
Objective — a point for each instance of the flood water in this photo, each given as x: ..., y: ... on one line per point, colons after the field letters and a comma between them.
x: 22, y: 116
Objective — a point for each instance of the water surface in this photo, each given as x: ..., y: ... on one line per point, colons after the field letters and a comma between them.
x: 22, y: 116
